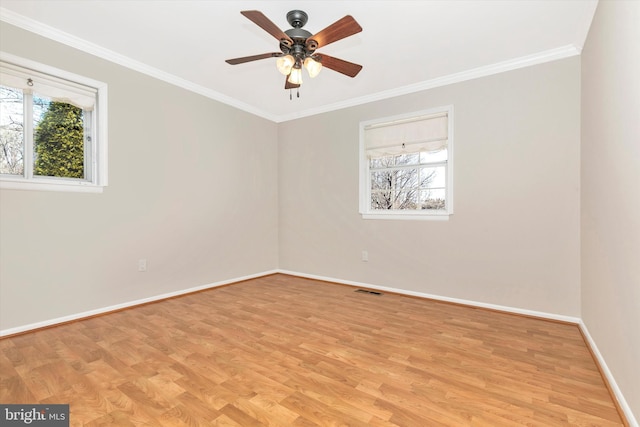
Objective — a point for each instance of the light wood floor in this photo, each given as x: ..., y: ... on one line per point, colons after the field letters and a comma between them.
x: 286, y: 351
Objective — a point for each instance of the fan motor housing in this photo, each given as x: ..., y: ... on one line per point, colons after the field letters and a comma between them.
x: 298, y: 34
x: 297, y: 19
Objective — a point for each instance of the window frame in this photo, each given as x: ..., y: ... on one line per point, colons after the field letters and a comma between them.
x: 365, y: 173
x: 97, y: 154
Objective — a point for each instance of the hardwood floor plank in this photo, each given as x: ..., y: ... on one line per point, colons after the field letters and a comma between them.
x: 14, y: 389
x: 225, y: 421
x: 286, y: 351
x: 319, y: 412
x: 110, y: 419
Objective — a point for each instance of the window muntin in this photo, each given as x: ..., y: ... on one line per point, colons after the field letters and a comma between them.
x: 52, y: 128
x: 406, y: 166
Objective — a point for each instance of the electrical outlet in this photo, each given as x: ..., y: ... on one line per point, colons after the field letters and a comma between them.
x: 365, y: 256
x: 142, y: 265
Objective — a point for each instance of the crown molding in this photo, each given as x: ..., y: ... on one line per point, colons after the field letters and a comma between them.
x: 475, y: 73
x: 49, y: 32
x: 65, y: 38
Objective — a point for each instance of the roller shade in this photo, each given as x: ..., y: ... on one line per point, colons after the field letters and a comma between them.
x: 58, y: 90
x: 424, y: 133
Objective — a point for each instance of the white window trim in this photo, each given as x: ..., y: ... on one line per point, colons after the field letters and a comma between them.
x: 365, y: 187
x: 99, y: 147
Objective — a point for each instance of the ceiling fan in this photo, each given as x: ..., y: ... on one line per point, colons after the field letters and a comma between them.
x: 298, y: 46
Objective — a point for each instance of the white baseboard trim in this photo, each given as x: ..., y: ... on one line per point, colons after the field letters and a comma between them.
x: 532, y: 313
x: 609, y: 376
x: 103, y: 310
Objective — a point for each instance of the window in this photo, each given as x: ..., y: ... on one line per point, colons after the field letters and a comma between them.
x: 406, y: 166
x: 52, y: 128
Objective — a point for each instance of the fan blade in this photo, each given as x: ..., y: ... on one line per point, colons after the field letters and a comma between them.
x: 244, y: 59
x: 340, y: 65
x: 340, y: 29
x: 265, y: 23
x: 288, y: 85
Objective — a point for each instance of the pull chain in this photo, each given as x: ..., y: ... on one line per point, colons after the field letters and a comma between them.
x: 291, y: 93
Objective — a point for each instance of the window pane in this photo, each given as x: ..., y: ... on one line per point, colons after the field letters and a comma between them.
x: 433, y: 156
x: 405, y: 199
x: 406, y: 178
x: 58, y: 138
x: 433, y: 199
x: 381, y: 162
x: 381, y: 180
x: 11, y: 131
x: 381, y: 199
x: 432, y: 177
x: 407, y: 159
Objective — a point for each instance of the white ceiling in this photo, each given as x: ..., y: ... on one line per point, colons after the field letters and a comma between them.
x: 405, y: 46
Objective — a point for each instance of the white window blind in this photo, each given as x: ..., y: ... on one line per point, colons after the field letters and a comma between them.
x: 58, y: 90
x: 424, y: 133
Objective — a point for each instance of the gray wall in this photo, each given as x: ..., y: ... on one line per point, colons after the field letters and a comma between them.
x: 610, y: 197
x: 192, y: 188
x: 514, y: 237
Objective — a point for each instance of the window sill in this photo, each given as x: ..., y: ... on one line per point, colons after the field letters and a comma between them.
x: 71, y: 187
x: 412, y: 216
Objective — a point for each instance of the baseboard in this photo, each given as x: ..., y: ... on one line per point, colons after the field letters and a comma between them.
x: 129, y: 304
x: 608, y: 376
x: 507, y: 309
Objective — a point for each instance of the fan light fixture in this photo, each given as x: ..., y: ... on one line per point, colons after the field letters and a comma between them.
x: 313, y: 67
x: 287, y: 65
x: 295, y: 77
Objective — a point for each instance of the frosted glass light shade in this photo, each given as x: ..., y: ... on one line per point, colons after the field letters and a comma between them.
x: 296, y: 76
x: 313, y: 67
x: 285, y: 63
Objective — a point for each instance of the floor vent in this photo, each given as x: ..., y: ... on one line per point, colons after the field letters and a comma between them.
x: 365, y: 291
